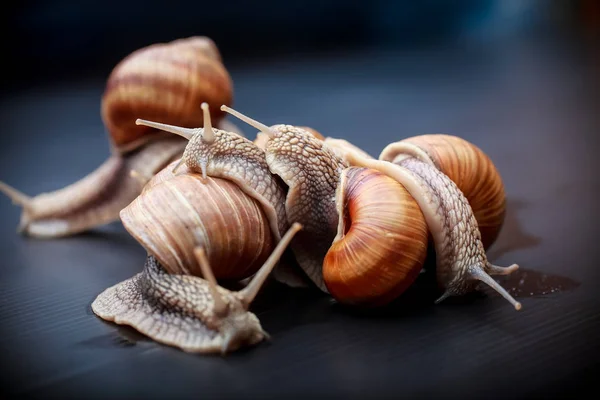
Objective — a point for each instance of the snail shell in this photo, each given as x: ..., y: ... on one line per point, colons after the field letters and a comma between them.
x: 381, y: 243
x: 468, y: 167
x: 175, y: 214
x: 164, y: 82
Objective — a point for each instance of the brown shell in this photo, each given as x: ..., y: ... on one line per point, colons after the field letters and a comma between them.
x: 177, y: 213
x: 381, y: 243
x: 473, y: 172
x: 164, y: 82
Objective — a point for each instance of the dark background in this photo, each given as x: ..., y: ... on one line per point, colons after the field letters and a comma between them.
x: 50, y: 39
x: 517, y: 78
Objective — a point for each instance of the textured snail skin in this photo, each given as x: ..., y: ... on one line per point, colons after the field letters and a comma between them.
x: 460, y: 255
x: 227, y: 155
x: 239, y: 160
x: 312, y: 172
x: 178, y: 310
x: 468, y: 167
x: 262, y: 138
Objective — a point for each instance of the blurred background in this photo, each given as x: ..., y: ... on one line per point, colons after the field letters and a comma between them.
x: 519, y: 78
x: 66, y: 38
x: 491, y: 71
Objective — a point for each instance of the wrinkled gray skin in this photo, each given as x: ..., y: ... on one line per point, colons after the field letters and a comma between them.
x: 177, y: 310
x: 312, y: 172
x: 461, y: 260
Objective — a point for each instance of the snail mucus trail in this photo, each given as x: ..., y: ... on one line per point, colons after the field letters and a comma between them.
x: 461, y: 262
x: 191, y: 313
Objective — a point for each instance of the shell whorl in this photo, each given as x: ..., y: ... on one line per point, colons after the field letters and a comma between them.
x: 177, y: 213
x: 164, y: 82
x: 468, y: 167
x: 381, y: 243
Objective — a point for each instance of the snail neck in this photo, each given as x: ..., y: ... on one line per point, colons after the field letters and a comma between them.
x: 312, y: 191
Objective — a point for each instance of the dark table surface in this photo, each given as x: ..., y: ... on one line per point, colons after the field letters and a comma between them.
x: 531, y: 106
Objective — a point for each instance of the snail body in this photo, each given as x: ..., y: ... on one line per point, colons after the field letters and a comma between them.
x: 468, y: 167
x: 227, y: 155
x: 312, y: 172
x: 166, y: 82
x: 192, y: 313
x: 461, y: 262
x: 310, y: 168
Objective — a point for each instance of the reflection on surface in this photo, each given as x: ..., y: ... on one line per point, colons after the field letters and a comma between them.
x: 121, y: 336
x: 531, y: 283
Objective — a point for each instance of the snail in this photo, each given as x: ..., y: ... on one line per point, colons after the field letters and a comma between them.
x: 218, y: 153
x: 175, y: 213
x: 166, y: 82
x: 314, y: 174
x: 461, y: 262
x: 188, y: 312
x: 468, y: 167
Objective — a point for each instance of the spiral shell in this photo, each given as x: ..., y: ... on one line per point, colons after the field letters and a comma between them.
x: 469, y: 168
x: 382, y: 239
x: 164, y: 82
x: 175, y: 214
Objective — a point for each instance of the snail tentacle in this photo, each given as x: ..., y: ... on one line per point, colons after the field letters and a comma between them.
x: 311, y: 170
x: 221, y: 154
x: 95, y: 199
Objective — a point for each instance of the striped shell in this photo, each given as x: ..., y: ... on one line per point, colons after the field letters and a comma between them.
x: 469, y: 168
x: 381, y: 244
x: 164, y: 82
x: 174, y: 214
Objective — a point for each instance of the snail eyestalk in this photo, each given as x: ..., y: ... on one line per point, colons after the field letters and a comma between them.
x: 16, y: 196
x: 480, y: 274
x: 186, y: 133
x: 261, y: 127
x: 208, y: 135
x: 497, y: 270
x: 250, y: 291
x: 220, y: 308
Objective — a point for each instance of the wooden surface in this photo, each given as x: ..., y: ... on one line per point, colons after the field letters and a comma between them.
x: 531, y: 106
